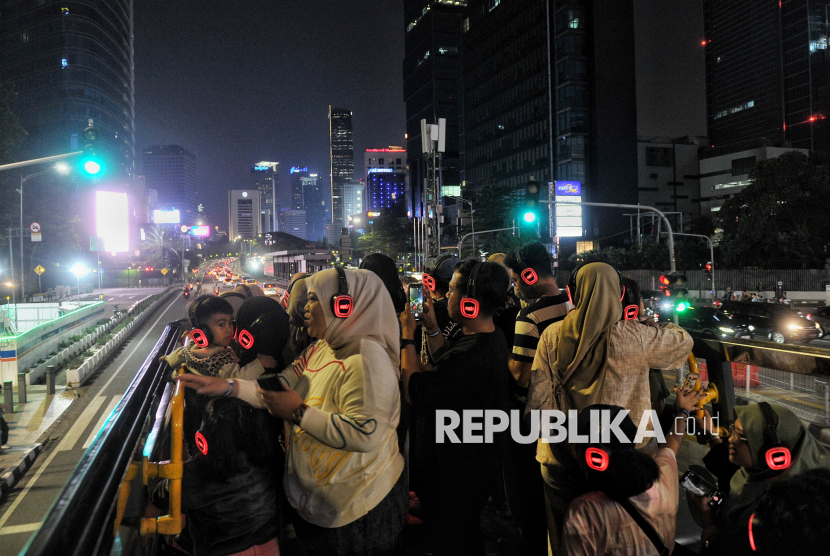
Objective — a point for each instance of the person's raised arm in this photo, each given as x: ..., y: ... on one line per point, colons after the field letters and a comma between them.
x: 685, y: 405
x: 435, y: 336
x: 409, y: 357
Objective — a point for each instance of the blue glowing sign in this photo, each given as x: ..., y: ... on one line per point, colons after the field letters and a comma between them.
x: 572, y: 188
x: 376, y: 170
x: 294, y: 169
x: 261, y: 168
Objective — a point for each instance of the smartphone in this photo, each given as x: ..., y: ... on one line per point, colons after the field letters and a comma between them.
x: 416, y: 300
x: 689, y: 383
x: 270, y: 382
x: 697, y: 485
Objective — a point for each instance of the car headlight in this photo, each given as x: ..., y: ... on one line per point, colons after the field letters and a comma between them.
x: 726, y: 330
x: 818, y: 326
x: 795, y: 327
x: 751, y: 328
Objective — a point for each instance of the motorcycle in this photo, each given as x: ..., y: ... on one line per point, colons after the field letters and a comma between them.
x: 187, y: 294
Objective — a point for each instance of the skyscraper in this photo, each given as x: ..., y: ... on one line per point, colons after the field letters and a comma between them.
x: 171, y: 171
x: 244, y: 209
x: 431, y: 74
x: 298, y: 178
x: 317, y: 207
x: 341, y: 149
x: 354, y: 198
x: 69, y: 63
x: 265, y: 178
x: 769, y: 85
x: 386, y: 178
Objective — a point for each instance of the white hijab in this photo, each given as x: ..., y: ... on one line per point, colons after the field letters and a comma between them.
x: 373, y: 316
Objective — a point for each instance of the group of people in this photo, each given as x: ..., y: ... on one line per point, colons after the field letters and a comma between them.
x: 318, y: 418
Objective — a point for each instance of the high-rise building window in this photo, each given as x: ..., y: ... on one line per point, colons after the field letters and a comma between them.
x: 659, y: 156
x: 743, y: 166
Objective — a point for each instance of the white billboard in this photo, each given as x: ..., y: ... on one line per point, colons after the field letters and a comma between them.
x: 111, y: 221
x: 166, y: 217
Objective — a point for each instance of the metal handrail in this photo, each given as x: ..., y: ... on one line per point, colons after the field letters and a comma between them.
x: 173, y: 470
x: 81, y: 521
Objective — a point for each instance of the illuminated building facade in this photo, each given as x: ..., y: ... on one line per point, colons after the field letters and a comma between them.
x: 170, y: 170
x: 341, y: 150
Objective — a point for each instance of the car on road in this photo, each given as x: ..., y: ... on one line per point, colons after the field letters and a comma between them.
x: 712, y: 323
x: 821, y: 317
x: 269, y: 288
x: 772, y: 322
x: 250, y: 281
x: 228, y: 283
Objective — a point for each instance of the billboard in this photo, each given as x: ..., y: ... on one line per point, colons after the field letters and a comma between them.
x: 200, y: 231
x: 111, y: 221
x: 573, y: 188
x: 568, y: 219
x: 166, y: 217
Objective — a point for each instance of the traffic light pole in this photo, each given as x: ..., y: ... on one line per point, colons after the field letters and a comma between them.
x: 672, y: 263
x: 711, y: 258
x: 34, y: 161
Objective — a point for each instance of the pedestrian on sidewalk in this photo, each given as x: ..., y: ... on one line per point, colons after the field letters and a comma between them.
x: 4, y: 428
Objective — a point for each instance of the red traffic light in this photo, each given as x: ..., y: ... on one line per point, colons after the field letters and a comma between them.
x: 708, y: 267
x: 664, y: 280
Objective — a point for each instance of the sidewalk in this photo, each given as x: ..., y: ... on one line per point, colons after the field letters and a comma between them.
x: 29, y: 428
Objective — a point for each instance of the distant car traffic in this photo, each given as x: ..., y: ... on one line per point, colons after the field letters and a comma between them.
x: 248, y: 280
x: 712, y: 323
x: 228, y: 283
x: 821, y: 317
x: 269, y: 288
x: 772, y: 322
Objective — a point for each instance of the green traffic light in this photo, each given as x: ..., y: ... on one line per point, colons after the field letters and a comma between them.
x: 530, y: 217
x: 682, y: 306
x: 91, y: 167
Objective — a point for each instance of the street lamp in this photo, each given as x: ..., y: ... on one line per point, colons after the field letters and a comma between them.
x: 472, y: 224
x: 79, y: 270
x: 14, y: 300
x: 61, y: 168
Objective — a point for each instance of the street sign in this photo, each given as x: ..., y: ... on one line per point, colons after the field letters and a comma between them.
x: 39, y: 270
x: 164, y: 271
x: 36, y: 236
x: 34, y: 227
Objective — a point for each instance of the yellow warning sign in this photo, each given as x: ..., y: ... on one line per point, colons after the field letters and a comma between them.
x: 39, y: 270
x: 164, y: 271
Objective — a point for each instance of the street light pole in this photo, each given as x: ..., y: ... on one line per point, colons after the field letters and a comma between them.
x: 472, y: 225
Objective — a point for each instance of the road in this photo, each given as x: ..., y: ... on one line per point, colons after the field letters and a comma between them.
x: 24, y: 510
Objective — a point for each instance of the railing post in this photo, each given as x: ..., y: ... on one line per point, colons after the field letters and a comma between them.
x: 792, y: 381
x: 8, y: 396
x: 827, y: 402
x: 748, y: 374
x: 21, y: 387
x: 50, y: 379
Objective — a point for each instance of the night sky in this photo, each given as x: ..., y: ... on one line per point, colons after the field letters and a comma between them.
x: 240, y: 82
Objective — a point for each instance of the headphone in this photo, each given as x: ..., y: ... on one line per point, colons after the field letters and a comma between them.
x: 201, y: 335
x: 631, y: 306
x: 206, y: 429
x: 429, y: 281
x: 573, y: 293
x: 597, y: 459
x: 469, y: 305
x: 287, y: 293
x: 268, y: 322
x: 777, y: 457
x: 528, y: 275
x: 342, y: 304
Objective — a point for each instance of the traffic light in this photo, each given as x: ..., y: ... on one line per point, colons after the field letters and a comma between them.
x: 531, y: 204
x: 707, y: 272
x: 91, y: 160
x: 674, y: 287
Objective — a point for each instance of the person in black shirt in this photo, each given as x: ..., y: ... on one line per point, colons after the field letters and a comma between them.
x: 530, y: 270
x: 468, y: 375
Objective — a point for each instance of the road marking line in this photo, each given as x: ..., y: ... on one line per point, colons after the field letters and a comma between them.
x: 46, y: 463
x: 110, y: 299
x: 81, y: 424
x: 100, y: 424
x: 132, y: 296
x: 15, y: 529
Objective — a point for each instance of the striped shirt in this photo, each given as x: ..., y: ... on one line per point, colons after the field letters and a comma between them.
x: 532, y: 321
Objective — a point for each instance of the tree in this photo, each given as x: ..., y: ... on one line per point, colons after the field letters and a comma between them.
x: 11, y: 132
x: 389, y: 233
x: 497, y: 206
x: 161, y: 246
x: 781, y: 218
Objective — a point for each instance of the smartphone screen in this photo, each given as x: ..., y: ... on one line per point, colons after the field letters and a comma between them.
x: 689, y: 383
x: 270, y: 382
x: 416, y: 300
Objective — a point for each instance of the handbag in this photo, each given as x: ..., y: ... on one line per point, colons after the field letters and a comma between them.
x: 679, y: 549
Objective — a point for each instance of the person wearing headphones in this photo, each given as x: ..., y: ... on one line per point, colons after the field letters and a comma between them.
x: 344, y: 472
x: 443, y: 330
x: 767, y: 442
x: 594, y: 356
x: 456, y: 479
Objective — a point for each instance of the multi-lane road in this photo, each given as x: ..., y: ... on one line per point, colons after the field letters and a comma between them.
x: 26, y: 507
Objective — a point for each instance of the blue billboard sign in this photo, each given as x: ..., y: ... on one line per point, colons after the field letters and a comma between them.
x: 569, y: 188
x: 295, y: 169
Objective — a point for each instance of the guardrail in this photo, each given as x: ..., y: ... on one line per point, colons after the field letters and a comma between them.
x: 82, y: 519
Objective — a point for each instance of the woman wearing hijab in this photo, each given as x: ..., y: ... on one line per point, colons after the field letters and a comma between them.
x: 268, y: 330
x: 386, y: 269
x: 344, y: 473
x: 591, y: 357
x: 725, y: 527
x: 294, y: 300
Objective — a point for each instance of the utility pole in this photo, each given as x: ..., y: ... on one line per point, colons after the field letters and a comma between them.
x: 433, y: 144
